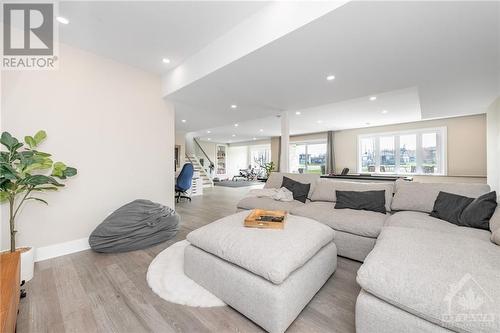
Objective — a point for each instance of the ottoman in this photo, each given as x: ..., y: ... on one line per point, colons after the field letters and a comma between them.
x: 268, y: 275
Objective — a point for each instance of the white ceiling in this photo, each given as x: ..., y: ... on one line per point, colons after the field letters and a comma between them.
x: 449, y: 51
x: 389, y: 108
x: 141, y: 33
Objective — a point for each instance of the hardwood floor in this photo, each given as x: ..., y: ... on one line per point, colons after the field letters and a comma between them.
x: 91, y: 292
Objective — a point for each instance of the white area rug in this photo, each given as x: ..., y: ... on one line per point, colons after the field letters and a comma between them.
x: 167, y: 279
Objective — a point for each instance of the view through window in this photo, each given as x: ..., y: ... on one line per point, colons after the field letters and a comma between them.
x: 415, y: 152
x: 259, y: 156
x: 308, y: 157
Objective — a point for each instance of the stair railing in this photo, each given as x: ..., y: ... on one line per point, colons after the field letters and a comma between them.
x: 207, y: 162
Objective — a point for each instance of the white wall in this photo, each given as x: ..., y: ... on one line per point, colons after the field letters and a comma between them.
x: 102, y: 117
x: 210, y: 148
x: 493, y: 143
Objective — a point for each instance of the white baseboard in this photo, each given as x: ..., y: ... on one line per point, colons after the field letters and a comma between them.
x: 57, y: 250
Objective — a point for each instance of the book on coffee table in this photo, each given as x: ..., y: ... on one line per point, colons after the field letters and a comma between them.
x: 266, y: 219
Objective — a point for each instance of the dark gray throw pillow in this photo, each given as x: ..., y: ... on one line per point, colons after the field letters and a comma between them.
x: 449, y: 206
x: 464, y: 211
x: 479, y: 212
x: 299, y: 190
x: 361, y: 200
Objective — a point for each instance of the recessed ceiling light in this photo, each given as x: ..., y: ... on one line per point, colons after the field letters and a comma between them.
x: 208, y: 132
x: 209, y: 139
x: 372, y: 98
x: 62, y: 20
x: 319, y: 121
x: 330, y: 77
x: 261, y: 130
x: 254, y: 138
x: 385, y: 111
x: 235, y: 125
x: 234, y: 106
x: 297, y: 113
x: 233, y: 135
x: 166, y: 60
x: 183, y: 120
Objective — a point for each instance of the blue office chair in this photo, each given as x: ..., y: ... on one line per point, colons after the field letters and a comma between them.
x: 184, y: 181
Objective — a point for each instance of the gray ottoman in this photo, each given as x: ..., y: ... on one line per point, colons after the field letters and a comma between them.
x: 267, y: 275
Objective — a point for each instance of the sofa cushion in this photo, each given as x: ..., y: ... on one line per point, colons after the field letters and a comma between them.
x: 267, y: 203
x: 436, y: 276
x: 421, y: 196
x: 271, y: 253
x: 373, y: 201
x: 449, y: 206
x: 276, y: 179
x: 300, y: 191
x: 324, y: 189
x: 357, y: 222
x: 418, y: 220
x: 478, y: 214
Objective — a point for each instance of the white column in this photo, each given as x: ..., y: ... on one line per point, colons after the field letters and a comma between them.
x: 285, y: 142
x: 493, y: 145
x: 189, y: 137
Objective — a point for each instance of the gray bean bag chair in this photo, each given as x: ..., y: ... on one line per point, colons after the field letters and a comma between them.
x: 137, y: 225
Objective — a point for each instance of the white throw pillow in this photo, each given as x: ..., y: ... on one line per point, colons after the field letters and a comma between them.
x: 283, y: 194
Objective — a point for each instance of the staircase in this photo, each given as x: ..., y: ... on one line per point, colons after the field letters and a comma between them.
x: 207, y: 181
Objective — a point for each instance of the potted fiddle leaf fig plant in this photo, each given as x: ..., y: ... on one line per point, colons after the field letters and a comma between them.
x: 26, y: 172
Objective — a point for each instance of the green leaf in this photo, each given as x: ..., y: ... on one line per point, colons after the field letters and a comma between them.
x: 8, y: 172
x: 27, y: 154
x: 37, y: 180
x: 3, y: 183
x: 47, y: 188
x: 58, y: 171
x: 41, y: 153
x: 32, y: 167
x: 30, y: 141
x: 8, y: 141
x: 4, y: 157
x: 70, y: 172
x: 4, y: 196
x: 60, y: 166
x: 37, y: 199
x: 40, y: 136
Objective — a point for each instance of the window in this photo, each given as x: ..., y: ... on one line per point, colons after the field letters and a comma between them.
x: 409, y: 152
x: 259, y: 156
x: 308, y: 157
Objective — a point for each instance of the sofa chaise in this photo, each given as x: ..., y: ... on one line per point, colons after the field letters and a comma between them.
x: 429, y: 275
x: 420, y: 273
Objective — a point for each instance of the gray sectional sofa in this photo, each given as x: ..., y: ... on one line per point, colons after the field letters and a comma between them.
x: 420, y: 274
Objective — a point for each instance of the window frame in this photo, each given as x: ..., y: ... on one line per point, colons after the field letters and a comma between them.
x: 259, y: 147
x: 306, y: 143
x: 441, y: 150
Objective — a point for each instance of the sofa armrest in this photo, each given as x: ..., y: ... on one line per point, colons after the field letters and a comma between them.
x: 495, y: 226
